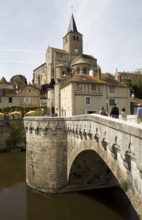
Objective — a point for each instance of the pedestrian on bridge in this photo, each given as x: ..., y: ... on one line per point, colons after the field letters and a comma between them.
x: 123, y: 114
x: 139, y: 113
x: 114, y: 111
x: 102, y: 111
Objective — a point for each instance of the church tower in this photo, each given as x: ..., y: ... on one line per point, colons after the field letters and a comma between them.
x: 73, y: 40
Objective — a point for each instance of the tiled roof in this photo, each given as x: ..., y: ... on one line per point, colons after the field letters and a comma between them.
x: 84, y: 58
x: 111, y: 81
x: 6, y: 86
x: 89, y: 56
x: 104, y: 79
x: 40, y: 66
x: 59, y: 50
x: 82, y: 79
x: 81, y: 61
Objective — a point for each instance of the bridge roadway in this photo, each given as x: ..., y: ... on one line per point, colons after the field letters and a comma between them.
x: 84, y: 152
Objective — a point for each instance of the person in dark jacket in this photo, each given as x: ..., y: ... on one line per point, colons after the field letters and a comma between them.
x: 114, y: 111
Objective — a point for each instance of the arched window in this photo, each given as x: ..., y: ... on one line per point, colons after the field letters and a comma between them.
x: 74, y: 37
x: 63, y: 73
x: 77, y: 38
x: 78, y: 70
x: 84, y: 71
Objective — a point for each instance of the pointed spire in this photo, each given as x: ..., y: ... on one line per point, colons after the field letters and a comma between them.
x: 72, y: 25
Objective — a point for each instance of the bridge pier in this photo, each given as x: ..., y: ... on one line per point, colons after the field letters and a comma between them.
x: 53, y: 144
x: 46, y: 157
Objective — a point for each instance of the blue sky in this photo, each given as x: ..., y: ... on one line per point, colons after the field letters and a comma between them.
x: 112, y: 32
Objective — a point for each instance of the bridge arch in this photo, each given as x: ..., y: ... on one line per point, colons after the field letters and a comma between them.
x: 89, y: 171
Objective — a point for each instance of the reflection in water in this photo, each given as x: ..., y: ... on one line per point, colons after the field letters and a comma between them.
x: 18, y: 202
x: 12, y: 169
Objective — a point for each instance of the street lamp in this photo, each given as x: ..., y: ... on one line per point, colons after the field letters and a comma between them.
x: 107, y: 105
x: 132, y: 94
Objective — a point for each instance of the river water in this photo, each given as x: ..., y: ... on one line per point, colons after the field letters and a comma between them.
x: 19, y: 202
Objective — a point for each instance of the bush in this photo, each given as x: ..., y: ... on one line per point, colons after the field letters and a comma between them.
x: 17, y: 137
x: 38, y: 113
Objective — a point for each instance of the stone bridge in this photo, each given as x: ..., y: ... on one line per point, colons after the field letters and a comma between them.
x: 84, y: 152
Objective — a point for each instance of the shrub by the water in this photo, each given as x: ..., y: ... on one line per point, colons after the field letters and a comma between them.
x: 16, y: 139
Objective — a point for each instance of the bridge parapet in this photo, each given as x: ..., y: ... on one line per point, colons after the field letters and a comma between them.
x: 54, y: 143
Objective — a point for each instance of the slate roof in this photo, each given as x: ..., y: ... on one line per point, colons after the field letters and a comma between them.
x: 72, y: 25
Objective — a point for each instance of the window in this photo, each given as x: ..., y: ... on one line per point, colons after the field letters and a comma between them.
x: 111, y: 102
x: 27, y: 99
x: 0, y: 100
x: 88, y: 100
x: 74, y: 37
x: 112, y: 89
x: 93, y: 87
x: 84, y: 71
x: 78, y: 70
x: 10, y: 99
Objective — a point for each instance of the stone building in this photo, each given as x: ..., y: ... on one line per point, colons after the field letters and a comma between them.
x: 29, y: 95
x: 71, y: 82
x: 18, y: 93
x: 8, y: 96
x: 84, y: 94
x: 128, y: 76
x: 64, y: 62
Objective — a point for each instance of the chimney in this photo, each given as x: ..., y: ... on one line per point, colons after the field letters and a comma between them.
x: 99, y: 73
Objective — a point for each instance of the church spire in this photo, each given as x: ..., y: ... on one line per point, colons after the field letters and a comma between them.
x: 72, y: 25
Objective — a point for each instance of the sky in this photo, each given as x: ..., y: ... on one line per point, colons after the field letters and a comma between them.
x: 111, y: 29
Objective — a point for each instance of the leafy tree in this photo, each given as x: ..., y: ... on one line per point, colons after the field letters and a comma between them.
x: 135, y: 86
x: 110, y: 75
